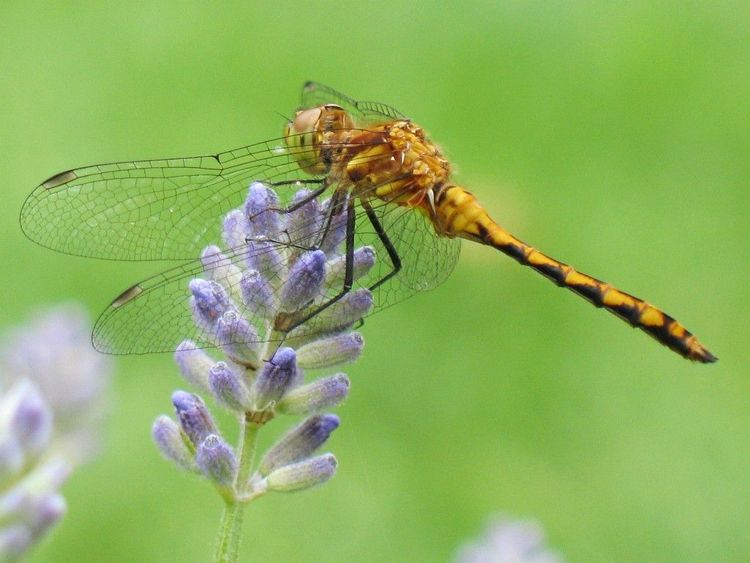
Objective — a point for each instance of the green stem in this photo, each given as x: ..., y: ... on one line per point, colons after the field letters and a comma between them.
x: 248, y: 444
x: 228, y: 538
x: 230, y: 527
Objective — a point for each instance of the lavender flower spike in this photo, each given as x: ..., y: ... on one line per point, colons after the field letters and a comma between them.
x: 50, y: 410
x: 506, y: 541
x: 29, y: 503
x: 54, y: 352
x: 274, y: 305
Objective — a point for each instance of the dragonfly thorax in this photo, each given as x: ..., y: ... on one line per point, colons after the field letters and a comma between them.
x: 403, y: 167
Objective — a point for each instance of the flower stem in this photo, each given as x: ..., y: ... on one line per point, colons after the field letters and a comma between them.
x: 228, y: 539
x: 230, y: 527
x: 248, y: 444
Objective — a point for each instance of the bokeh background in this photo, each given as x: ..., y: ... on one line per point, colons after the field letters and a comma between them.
x: 613, y: 136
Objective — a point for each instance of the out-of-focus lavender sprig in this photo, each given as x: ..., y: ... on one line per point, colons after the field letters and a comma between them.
x: 506, y: 540
x: 30, y: 503
x: 50, y: 409
x: 54, y: 351
x: 244, y: 306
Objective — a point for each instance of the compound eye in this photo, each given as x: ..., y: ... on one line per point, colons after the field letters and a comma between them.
x: 305, y: 121
x: 300, y: 136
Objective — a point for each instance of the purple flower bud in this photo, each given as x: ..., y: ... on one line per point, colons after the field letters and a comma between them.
x: 238, y: 339
x: 275, y: 378
x: 305, y: 222
x: 302, y: 475
x: 264, y: 256
x: 339, y: 316
x: 347, y: 310
x: 331, y: 351
x: 257, y: 294
x: 220, y: 268
x: 14, y: 541
x: 216, y: 460
x: 262, y: 211
x: 304, y: 282
x: 171, y: 442
x: 236, y: 229
x: 209, y: 302
x: 11, y: 457
x: 194, y: 364
x: 31, y: 418
x: 47, y: 510
x: 195, y: 420
x: 322, y: 393
x: 228, y: 388
x: 362, y: 263
x: 212, y: 258
x: 299, y: 443
x: 337, y: 231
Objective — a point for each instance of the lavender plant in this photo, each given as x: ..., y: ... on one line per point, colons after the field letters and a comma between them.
x: 50, y: 407
x: 54, y: 351
x: 239, y: 305
x: 506, y: 540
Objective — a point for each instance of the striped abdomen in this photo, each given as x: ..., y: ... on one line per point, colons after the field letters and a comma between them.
x: 457, y: 213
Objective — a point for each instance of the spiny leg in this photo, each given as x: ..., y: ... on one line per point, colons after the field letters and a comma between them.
x: 290, y: 323
x: 305, y: 200
x: 336, y: 201
x: 294, y: 207
x: 383, y: 236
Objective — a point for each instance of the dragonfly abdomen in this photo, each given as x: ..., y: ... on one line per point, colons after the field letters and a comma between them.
x: 457, y: 213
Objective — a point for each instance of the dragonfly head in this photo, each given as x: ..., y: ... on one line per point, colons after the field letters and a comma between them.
x: 304, y: 134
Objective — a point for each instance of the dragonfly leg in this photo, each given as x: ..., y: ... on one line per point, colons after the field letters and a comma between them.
x: 313, y: 195
x: 336, y: 202
x: 334, y: 209
x: 290, y: 323
x: 383, y: 236
x: 284, y: 210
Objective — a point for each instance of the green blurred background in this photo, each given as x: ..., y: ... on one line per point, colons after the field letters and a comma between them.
x: 614, y: 137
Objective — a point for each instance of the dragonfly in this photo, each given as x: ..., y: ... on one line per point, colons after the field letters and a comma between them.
x: 393, y: 180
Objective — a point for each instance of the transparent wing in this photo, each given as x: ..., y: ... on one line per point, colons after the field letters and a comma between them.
x: 427, y: 259
x: 159, y: 209
x: 364, y: 113
x: 155, y: 315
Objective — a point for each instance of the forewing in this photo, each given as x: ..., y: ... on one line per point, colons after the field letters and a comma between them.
x: 164, y: 209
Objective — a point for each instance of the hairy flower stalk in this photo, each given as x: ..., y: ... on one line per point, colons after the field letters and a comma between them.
x: 281, y: 272
x: 50, y: 408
